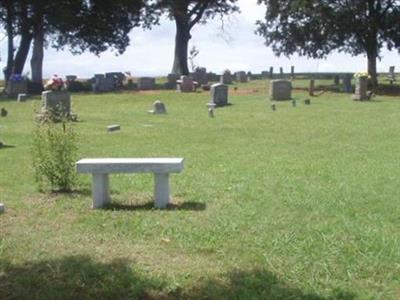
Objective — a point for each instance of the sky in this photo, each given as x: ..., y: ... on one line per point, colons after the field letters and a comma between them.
x: 236, y: 48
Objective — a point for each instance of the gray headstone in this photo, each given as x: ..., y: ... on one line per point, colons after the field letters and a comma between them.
x: 2, y: 208
x: 158, y: 108
x: 103, y: 84
x: 146, y: 83
x: 281, y: 72
x: 56, y: 103
x: 185, y: 84
x: 226, y: 77
x: 16, y: 87
x: 22, y: 97
x: 280, y: 89
x: 200, y: 75
x: 361, y: 89
x: 219, y: 94
x: 71, y: 77
x: 336, y: 79
x: 307, y: 101
x: 292, y: 71
x: 311, y: 87
x: 271, y: 72
x: 114, y: 127
x: 347, y: 88
x: 171, y: 81
x: 241, y: 76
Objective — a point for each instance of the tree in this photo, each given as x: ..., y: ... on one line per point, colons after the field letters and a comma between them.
x: 80, y: 25
x: 315, y: 28
x: 186, y: 14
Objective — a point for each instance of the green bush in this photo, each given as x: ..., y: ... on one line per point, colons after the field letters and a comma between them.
x: 54, y: 155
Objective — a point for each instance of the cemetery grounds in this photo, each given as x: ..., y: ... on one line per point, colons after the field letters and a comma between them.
x: 297, y: 203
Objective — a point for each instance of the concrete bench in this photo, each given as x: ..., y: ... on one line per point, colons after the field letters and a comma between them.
x: 101, y: 167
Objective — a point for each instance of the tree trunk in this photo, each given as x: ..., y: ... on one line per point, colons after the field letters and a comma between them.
x: 22, y: 53
x: 25, y: 43
x: 37, y: 52
x: 372, y: 55
x: 10, y: 44
x: 182, y: 38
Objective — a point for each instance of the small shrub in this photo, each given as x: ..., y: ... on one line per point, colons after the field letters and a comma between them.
x: 54, y: 155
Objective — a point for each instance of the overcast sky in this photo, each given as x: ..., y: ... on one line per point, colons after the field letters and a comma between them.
x: 236, y: 48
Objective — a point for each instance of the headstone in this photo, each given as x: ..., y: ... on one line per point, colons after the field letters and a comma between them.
x: 14, y: 88
x: 392, y: 74
x: 206, y: 87
x: 347, y: 83
x: 146, y: 83
x: 273, y: 107
x: 292, y: 72
x: 249, y: 76
x: 281, y: 72
x: 219, y: 94
x: 311, y: 87
x: 186, y: 84
x: 280, y: 89
x: 271, y: 72
x: 117, y: 78
x: 56, y: 103
x: 71, y: 78
x: 103, y: 84
x: 336, y: 80
x: 171, y: 81
x: 307, y: 101
x: 200, y: 75
x: 264, y: 74
x: 158, y: 108
x: 211, y: 107
x: 22, y: 97
x: 3, y: 112
x: 115, y: 127
x: 241, y: 76
x: 226, y: 77
x: 361, y: 89
x: 2, y: 208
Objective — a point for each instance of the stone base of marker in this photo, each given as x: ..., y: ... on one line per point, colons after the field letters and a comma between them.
x: 16, y: 87
x: 114, y: 127
x: 158, y: 108
x: 211, y: 106
x: 22, y: 97
x: 280, y: 90
x: 361, y: 89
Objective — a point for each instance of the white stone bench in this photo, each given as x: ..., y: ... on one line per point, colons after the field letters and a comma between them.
x: 101, y: 167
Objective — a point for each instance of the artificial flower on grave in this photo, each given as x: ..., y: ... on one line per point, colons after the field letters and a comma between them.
x: 54, y: 84
x: 362, y: 74
x: 16, y: 77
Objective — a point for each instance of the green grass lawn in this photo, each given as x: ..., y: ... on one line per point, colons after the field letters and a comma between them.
x: 301, y: 203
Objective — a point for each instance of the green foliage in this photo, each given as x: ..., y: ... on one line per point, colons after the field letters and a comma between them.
x: 315, y: 28
x: 54, y: 155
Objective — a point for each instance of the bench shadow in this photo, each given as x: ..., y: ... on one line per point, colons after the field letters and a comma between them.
x: 191, y: 206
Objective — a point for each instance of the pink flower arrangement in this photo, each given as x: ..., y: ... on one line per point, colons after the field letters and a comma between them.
x: 55, y: 84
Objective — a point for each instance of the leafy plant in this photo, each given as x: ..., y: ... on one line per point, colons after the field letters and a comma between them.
x: 54, y: 155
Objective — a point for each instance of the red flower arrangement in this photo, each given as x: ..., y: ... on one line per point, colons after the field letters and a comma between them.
x: 55, y: 84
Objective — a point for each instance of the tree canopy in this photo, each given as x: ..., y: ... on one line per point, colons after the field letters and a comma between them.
x: 315, y: 28
x: 79, y: 25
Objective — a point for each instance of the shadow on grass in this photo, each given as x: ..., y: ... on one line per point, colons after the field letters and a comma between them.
x: 6, y: 146
x: 80, y: 277
x: 195, y: 206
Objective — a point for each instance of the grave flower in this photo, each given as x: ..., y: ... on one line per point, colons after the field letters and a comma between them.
x: 16, y: 77
x: 362, y: 74
x: 55, y: 84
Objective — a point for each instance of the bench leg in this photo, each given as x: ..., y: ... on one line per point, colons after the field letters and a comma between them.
x: 100, y: 190
x: 161, y: 190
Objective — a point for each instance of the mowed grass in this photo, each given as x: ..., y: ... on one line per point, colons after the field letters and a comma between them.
x: 301, y: 203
